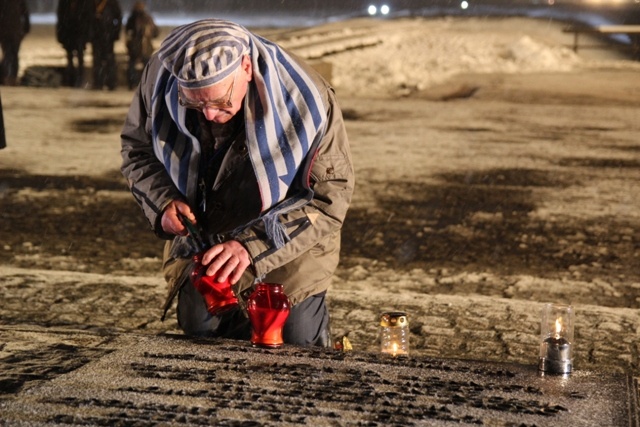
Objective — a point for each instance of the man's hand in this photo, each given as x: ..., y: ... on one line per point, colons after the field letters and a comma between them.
x: 171, y: 223
x: 229, y: 259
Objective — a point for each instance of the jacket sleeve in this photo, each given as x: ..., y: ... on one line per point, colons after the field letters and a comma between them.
x: 146, y: 176
x: 332, y: 180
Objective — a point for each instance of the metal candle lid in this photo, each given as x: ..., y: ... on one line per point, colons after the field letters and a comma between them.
x: 393, y: 319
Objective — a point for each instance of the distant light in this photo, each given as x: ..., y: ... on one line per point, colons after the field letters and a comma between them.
x: 384, y: 9
x: 551, y: 2
x: 607, y: 2
x: 372, y: 10
x: 464, y: 4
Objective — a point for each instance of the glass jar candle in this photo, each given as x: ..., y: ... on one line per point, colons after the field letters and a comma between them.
x: 394, y: 333
x: 218, y: 296
x: 268, y: 309
x: 556, y: 339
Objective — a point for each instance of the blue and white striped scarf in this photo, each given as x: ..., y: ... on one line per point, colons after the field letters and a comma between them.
x: 285, y: 118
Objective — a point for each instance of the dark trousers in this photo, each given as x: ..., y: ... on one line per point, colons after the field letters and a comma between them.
x: 9, y: 65
x: 74, y: 76
x: 105, y: 71
x: 134, y: 70
x: 307, y: 324
x: 3, y: 140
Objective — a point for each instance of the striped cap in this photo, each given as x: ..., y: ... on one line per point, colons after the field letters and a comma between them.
x: 204, y: 52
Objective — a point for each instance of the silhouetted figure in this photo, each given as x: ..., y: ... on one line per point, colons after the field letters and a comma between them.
x: 632, y: 17
x: 140, y: 31
x: 14, y: 25
x: 106, y: 30
x: 3, y: 139
x: 73, y: 31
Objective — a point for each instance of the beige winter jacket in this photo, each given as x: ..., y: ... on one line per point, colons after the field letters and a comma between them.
x: 308, y: 260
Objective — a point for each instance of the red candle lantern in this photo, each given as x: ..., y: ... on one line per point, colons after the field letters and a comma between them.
x: 218, y: 296
x: 268, y: 309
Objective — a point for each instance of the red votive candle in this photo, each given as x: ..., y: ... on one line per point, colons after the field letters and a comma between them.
x: 218, y: 296
x: 268, y: 309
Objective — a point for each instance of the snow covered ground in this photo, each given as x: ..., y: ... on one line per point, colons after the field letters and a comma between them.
x: 496, y: 170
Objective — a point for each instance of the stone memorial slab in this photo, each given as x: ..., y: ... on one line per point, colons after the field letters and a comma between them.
x: 172, y: 380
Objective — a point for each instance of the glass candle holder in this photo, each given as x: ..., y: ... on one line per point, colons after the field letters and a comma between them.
x: 268, y: 309
x: 218, y: 296
x: 394, y: 333
x: 556, y: 339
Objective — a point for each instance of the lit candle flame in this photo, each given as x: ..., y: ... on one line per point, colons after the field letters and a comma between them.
x: 395, y: 349
x: 558, y: 327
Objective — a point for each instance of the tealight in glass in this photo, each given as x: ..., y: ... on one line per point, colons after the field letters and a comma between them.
x: 394, y: 333
x: 556, y: 339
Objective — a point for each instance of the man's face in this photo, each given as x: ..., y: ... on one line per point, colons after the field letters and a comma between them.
x: 220, y: 102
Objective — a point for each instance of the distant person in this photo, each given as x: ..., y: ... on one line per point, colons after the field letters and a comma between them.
x: 632, y: 17
x: 106, y: 30
x: 3, y: 139
x: 14, y: 25
x: 140, y: 31
x: 73, y: 31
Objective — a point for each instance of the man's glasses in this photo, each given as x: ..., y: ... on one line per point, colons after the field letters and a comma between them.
x: 216, y: 103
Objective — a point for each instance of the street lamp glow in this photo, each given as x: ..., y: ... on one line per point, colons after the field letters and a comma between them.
x: 384, y: 9
x: 464, y: 4
x: 372, y: 10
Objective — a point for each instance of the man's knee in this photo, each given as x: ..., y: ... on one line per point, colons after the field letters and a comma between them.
x: 195, y: 320
x: 309, y: 323
x: 193, y: 317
